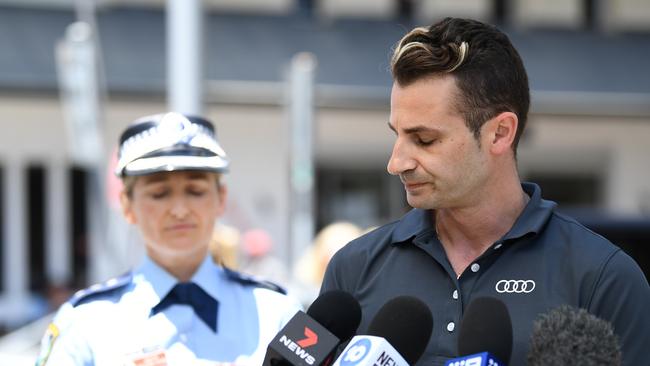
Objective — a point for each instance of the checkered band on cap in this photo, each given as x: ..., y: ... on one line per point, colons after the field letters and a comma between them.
x: 169, y: 142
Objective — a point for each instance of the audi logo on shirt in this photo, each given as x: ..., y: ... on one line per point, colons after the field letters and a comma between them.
x: 515, y: 286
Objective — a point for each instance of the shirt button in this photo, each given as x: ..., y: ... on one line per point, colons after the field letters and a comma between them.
x: 451, y: 326
x: 475, y: 267
x: 498, y: 246
x: 183, y: 338
x: 455, y: 295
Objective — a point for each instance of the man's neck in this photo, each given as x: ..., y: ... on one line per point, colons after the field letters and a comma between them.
x: 467, y: 232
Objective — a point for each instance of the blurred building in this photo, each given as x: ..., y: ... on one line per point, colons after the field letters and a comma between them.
x: 586, y: 143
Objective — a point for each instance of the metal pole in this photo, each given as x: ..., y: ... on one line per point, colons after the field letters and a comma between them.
x: 301, y: 109
x: 184, y: 57
x: 16, y: 262
x: 57, y: 250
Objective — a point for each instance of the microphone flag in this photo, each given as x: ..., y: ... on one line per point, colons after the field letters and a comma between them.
x: 477, y: 359
x: 302, y: 342
x: 370, y: 350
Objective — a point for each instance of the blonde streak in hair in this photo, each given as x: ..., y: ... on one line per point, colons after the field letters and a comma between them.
x: 419, y: 31
x: 462, y: 54
x: 408, y: 47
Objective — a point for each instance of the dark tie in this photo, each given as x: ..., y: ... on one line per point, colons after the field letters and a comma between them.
x: 189, y: 293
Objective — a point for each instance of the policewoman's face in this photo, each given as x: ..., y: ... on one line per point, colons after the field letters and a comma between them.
x: 175, y: 212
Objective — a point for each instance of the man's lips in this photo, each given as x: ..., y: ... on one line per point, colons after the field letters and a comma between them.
x: 412, y: 185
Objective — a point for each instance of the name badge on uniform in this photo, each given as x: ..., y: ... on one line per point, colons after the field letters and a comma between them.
x: 148, y: 357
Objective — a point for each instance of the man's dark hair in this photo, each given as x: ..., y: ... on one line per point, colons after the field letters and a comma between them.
x: 488, y: 70
x: 567, y: 336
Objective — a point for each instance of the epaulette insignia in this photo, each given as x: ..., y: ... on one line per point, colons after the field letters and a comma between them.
x: 85, y: 295
x: 253, y: 281
x: 51, y: 334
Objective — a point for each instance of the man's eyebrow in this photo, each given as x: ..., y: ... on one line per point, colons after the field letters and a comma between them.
x: 414, y: 129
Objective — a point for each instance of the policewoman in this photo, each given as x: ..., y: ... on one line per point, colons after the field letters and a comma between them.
x: 177, y: 307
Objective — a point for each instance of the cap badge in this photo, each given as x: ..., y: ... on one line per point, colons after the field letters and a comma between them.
x: 175, y: 127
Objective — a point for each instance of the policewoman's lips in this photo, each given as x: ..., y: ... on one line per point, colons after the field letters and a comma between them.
x: 180, y: 227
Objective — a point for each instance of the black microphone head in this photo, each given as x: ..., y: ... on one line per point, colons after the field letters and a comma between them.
x: 406, y: 323
x: 337, y: 311
x: 486, y: 327
x: 570, y: 336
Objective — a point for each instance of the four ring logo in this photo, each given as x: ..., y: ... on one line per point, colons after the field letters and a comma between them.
x: 515, y: 286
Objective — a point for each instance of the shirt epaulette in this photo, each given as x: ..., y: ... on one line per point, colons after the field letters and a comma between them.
x: 249, y: 280
x: 114, y: 284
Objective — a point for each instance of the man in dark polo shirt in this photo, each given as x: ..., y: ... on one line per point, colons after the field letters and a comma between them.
x: 459, y: 104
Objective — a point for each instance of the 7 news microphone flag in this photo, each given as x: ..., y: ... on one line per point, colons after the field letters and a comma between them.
x: 310, y: 339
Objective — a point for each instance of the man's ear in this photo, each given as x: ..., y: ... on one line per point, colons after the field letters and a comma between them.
x: 500, y: 132
x: 127, y: 209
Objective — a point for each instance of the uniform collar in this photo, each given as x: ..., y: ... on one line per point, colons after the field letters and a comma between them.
x: 532, y: 219
x: 208, y: 276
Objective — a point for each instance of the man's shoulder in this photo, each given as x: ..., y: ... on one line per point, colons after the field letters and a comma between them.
x: 373, y: 240
x: 587, y: 250
x: 578, y: 235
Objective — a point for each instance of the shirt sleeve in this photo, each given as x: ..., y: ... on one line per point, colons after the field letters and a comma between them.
x: 338, y: 273
x: 63, y: 343
x: 622, y: 296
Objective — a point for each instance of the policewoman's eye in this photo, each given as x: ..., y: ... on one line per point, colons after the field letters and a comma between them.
x: 159, y: 194
x: 196, y: 192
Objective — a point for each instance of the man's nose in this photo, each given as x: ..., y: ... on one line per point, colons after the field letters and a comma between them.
x: 400, y: 159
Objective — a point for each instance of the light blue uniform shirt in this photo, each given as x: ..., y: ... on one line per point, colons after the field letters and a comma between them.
x: 111, y: 324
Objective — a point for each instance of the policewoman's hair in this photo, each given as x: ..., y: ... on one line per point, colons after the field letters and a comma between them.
x: 488, y: 70
x: 169, y: 142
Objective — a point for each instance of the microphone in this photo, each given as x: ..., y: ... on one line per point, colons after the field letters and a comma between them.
x: 397, y: 336
x: 569, y: 336
x: 310, y: 339
x: 485, y: 336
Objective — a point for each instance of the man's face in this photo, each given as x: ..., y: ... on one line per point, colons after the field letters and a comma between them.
x: 436, y: 156
x: 175, y: 212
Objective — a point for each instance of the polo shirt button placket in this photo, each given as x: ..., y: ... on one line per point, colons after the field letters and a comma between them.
x: 451, y: 326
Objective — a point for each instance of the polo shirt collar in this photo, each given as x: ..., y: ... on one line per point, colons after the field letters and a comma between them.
x: 535, y: 214
x: 415, y: 222
x: 532, y: 219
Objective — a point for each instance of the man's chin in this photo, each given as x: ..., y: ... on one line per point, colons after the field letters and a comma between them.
x: 415, y: 202
x: 420, y: 202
